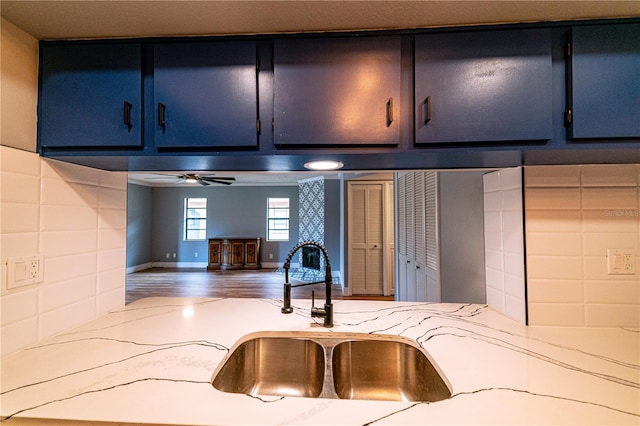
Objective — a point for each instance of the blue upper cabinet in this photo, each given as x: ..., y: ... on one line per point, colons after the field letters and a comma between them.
x: 341, y: 91
x: 487, y: 86
x: 603, y: 99
x: 205, y: 95
x: 90, y: 96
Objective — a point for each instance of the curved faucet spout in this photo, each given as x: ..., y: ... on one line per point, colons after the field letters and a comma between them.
x: 327, y: 311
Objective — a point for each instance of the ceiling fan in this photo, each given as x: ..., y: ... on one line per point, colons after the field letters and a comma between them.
x: 204, y: 180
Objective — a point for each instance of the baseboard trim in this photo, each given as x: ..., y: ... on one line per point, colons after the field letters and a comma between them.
x: 180, y: 264
x: 270, y: 265
x: 140, y: 267
x: 177, y: 265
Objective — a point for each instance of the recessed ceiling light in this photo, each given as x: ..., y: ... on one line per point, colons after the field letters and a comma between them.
x: 324, y: 165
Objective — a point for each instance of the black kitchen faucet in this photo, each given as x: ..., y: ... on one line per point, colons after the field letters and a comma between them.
x: 327, y: 311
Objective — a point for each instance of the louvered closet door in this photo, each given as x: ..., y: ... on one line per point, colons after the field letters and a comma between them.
x: 419, y: 234
x: 410, y: 216
x: 366, y: 239
x: 418, y: 277
x: 401, y: 215
x: 401, y: 266
x: 432, y: 245
x: 409, y: 185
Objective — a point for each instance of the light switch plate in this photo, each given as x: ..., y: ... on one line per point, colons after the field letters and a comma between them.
x: 621, y: 262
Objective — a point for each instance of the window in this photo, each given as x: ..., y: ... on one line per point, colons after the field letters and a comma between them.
x: 195, y: 219
x: 277, y: 219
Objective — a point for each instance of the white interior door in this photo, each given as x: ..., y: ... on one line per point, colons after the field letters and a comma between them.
x: 366, y: 235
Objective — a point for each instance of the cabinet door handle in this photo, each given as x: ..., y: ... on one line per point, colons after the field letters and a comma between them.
x: 127, y: 115
x: 389, y: 112
x: 427, y: 109
x: 161, y: 120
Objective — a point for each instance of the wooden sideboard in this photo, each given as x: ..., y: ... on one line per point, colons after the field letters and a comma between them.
x: 234, y: 253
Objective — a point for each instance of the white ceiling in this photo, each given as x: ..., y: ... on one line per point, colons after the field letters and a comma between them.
x: 253, y: 178
x: 64, y: 19
x: 242, y: 178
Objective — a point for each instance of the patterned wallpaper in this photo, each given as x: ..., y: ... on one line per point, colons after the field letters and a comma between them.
x: 311, y: 212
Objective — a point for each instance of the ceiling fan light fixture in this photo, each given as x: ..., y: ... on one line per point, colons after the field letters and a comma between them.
x: 194, y: 178
x: 324, y: 165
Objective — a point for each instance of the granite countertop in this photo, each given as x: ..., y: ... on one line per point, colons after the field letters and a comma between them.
x: 152, y: 362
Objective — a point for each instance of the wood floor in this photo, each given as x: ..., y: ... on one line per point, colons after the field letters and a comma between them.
x: 263, y: 283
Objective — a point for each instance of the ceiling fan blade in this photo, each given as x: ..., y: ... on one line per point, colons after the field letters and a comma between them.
x: 203, y: 182
x: 218, y: 179
x: 213, y: 177
x: 222, y: 182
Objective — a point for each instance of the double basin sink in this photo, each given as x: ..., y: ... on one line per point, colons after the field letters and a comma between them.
x: 330, y: 365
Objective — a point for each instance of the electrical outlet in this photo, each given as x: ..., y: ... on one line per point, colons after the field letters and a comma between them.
x: 24, y: 271
x: 34, y: 269
x: 628, y: 263
x: 621, y: 262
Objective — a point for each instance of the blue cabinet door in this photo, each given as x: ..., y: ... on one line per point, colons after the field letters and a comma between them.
x: 488, y: 86
x: 90, y: 96
x: 604, y: 81
x: 205, y: 95
x: 337, y: 91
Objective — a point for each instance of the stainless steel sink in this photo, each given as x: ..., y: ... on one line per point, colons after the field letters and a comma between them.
x: 272, y: 365
x: 385, y: 370
x: 330, y: 365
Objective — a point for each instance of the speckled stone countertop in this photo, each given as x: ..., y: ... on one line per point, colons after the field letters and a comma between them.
x: 152, y: 362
